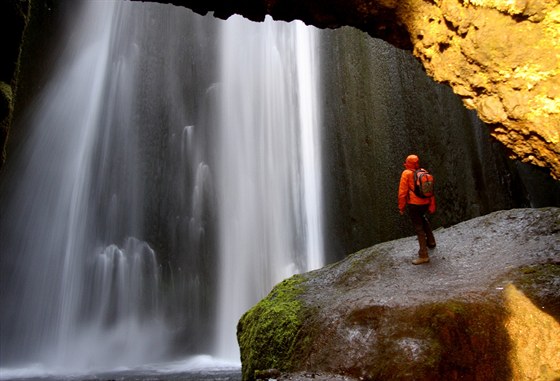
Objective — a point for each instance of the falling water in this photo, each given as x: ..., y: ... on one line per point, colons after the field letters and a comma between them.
x: 269, y: 204
x: 85, y: 287
x: 152, y: 186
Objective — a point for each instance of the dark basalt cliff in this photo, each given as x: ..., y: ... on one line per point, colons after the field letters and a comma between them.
x: 13, y: 21
x: 501, y: 57
x: 486, y: 307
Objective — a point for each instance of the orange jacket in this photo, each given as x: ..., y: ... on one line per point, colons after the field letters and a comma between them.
x: 406, y: 192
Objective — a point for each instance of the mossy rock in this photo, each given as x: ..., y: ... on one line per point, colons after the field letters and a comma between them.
x: 266, y: 333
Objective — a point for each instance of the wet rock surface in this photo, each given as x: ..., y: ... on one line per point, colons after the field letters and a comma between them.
x: 376, y: 316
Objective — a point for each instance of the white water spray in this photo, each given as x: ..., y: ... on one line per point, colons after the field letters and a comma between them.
x: 87, y: 294
x: 309, y: 117
x: 268, y: 175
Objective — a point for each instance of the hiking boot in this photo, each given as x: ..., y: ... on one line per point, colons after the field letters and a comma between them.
x: 431, y: 245
x: 423, y: 256
x: 419, y: 261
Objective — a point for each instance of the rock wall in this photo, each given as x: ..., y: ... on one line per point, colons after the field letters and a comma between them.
x: 501, y: 57
x: 30, y: 29
x: 13, y: 22
x: 380, y: 106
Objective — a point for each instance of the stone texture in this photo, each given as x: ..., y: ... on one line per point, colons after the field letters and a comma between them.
x: 486, y: 307
x: 501, y: 57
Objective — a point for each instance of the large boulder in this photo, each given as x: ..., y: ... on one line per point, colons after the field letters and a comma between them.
x: 501, y: 57
x: 486, y: 307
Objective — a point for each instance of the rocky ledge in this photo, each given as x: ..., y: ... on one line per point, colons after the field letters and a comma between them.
x: 486, y: 307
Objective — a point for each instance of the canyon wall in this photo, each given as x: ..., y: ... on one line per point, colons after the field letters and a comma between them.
x: 501, y: 57
x: 380, y: 106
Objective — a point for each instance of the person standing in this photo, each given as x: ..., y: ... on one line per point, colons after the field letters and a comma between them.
x: 417, y: 208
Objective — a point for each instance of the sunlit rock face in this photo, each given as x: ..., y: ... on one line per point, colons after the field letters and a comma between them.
x: 501, y: 57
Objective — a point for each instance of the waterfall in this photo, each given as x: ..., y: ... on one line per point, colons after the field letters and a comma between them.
x: 268, y: 175
x: 157, y: 197
x: 84, y: 285
x: 310, y: 148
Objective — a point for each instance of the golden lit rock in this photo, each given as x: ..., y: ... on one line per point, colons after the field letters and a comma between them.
x: 535, y: 339
x: 503, y: 58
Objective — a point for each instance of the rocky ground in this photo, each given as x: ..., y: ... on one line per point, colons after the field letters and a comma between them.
x: 487, y: 306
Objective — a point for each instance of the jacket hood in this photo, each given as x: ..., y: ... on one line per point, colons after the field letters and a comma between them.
x: 412, y: 162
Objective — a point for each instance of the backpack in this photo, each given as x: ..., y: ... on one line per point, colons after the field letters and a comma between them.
x: 423, y: 183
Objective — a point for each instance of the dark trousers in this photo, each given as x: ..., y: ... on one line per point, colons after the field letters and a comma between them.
x: 422, y: 228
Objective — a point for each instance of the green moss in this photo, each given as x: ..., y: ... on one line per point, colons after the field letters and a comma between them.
x: 539, y: 274
x: 6, y: 102
x: 6, y: 91
x: 6, y: 109
x: 266, y: 333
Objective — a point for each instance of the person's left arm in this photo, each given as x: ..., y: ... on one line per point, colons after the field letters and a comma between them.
x: 432, y: 207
